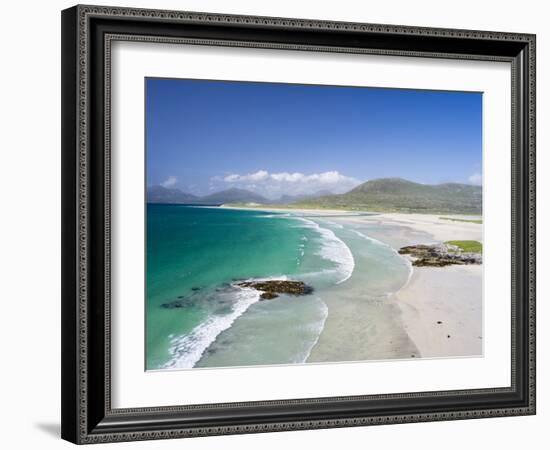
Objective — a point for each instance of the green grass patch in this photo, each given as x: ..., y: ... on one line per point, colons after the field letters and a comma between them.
x: 468, y: 246
x: 479, y: 221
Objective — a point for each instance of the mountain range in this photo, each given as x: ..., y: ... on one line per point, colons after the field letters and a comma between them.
x: 160, y: 194
x: 397, y: 194
x: 383, y: 194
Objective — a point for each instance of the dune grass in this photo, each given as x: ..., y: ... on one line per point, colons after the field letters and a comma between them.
x: 479, y: 221
x: 468, y: 246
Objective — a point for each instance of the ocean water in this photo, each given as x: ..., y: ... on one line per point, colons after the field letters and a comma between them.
x: 196, y: 254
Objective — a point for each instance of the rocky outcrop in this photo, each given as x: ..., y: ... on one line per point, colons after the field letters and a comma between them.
x: 272, y: 288
x: 269, y: 289
x: 180, y: 303
x: 268, y: 296
x: 439, y: 255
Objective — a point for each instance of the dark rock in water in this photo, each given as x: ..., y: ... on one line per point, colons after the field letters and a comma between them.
x: 195, y: 289
x: 181, y: 302
x: 270, y: 288
x: 439, y: 255
x: 175, y: 304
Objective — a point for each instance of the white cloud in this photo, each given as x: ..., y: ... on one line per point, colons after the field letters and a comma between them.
x: 290, y: 177
x: 476, y: 178
x: 273, y: 185
x: 169, y: 182
x: 257, y: 176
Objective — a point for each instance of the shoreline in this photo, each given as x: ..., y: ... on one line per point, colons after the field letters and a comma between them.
x: 440, y: 226
x: 313, y: 212
x: 434, y: 303
x: 438, y: 308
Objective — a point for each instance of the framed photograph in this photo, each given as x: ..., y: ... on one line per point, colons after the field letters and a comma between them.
x: 278, y: 224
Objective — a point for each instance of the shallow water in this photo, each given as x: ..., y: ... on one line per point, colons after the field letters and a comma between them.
x: 363, y: 321
x: 196, y: 254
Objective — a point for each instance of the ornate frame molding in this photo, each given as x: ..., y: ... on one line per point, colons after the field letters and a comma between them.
x: 87, y: 422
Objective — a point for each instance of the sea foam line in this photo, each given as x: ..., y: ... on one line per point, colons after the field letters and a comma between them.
x: 406, y: 260
x: 333, y: 249
x: 187, y: 350
x: 319, y: 330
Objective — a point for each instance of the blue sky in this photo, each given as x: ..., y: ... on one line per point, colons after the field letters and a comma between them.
x: 275, y: 139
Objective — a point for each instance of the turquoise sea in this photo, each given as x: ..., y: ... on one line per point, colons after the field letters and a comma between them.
x: 197, y: 317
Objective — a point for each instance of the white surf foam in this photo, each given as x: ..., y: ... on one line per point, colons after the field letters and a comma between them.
x: 318, y: 329
x: 301, y: 248
x: 334, y: 224
x: 333, y: 249
x: 278, y: 215
x: 188, y: 349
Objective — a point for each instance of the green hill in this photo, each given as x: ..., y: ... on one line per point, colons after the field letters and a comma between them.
x: 397, y: 194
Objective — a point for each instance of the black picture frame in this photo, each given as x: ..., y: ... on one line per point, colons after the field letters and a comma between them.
x: 87, y: 415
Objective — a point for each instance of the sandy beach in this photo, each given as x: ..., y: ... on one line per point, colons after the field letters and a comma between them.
x: 441, y: 310
x: 437, y: 313
x: 438, y: 226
